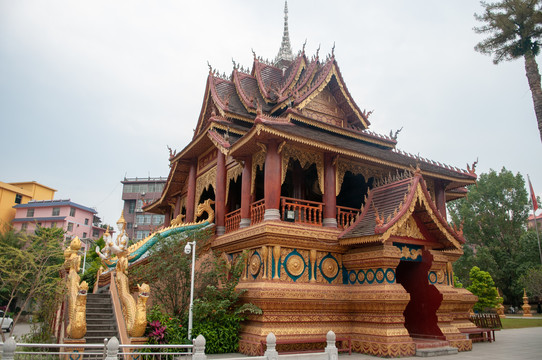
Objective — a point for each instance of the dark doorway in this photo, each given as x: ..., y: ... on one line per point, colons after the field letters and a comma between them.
x: 421, y: 312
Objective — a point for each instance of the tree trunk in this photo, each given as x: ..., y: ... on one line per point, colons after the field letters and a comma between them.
x: 533, y: 76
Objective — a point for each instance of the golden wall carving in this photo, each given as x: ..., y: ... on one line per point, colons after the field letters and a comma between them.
x: 410, y: 229
x: 355, y: 168
x: 305, y: 158
x: 258, y: 160
x: 203, y: 182
x: 232, y: 174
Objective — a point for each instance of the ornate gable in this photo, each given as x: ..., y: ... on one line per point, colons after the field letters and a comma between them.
x: 324, y: 108
x: 402, y: 210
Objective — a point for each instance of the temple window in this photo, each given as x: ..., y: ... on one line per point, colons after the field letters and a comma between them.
x: 353, y: 190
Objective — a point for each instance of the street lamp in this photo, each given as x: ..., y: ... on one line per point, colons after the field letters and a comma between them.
x: 191, y: 247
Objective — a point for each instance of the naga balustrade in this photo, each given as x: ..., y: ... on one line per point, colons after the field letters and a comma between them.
x: 257, y: 210
x: 345, y: 216
x: 306, y: 212
x: 232, y: 220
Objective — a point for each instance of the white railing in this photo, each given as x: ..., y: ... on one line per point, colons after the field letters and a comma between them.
x: 112, y: 350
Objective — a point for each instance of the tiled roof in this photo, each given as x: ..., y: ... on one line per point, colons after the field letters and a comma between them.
x: 38, y: 219
x: 399, y: 158
x: 54, y: 203
x: 387, y: 205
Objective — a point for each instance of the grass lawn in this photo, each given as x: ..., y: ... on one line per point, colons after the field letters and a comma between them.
x: 521, y: 323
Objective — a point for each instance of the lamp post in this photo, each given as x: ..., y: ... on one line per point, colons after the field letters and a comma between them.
x: 191, y: 248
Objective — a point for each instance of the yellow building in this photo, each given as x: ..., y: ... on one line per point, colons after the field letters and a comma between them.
x: 12, y: 194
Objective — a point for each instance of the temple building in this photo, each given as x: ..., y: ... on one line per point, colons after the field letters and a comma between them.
x: 343, y: 230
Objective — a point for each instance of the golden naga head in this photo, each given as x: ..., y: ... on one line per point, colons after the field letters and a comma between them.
x: 83, y: 288
x: 144, y: 289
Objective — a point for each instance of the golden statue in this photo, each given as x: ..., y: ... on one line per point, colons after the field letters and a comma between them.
x: 77, y: 292
x: 135, y: 315
x: 526, y: 307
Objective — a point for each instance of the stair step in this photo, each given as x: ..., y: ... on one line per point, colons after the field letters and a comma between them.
x: 438, y: 351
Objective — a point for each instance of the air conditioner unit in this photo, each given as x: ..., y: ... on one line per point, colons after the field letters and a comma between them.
x: 135, y: 226
x: 143, y: 194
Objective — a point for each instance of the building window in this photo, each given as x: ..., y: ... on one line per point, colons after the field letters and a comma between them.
x: 141, y: 234
x: 158, y: 219
x: 86, y: 221
x: 143, y: 188
x: 18, y: 198
x: 53, y: 224
x: 127, y: 188
x: 56, y: 211
x: 131, y: 206
x: 84, y: 235
x: 139, y: 206
x: 129, y: 226
x: 143, y: 219
x: 30, y: 213
x: 24, y: 226
x: 95, y: 233
x: 72, y: 211
x: 70, y: 226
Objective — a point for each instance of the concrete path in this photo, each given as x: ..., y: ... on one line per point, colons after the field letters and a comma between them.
x: 521, y: 344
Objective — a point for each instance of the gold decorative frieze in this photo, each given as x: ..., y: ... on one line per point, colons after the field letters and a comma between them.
x: 357, y: 169
x: 410, y: 229
x: 258, y: 160
x: 232, y: 174
x: 305, y: 158
x: 203, y: 182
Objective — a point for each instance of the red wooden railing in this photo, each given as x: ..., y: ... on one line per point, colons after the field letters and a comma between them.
x: 306, y: 212
x: 257, y: 210
x: 232, y: 220
x: 345, y: 215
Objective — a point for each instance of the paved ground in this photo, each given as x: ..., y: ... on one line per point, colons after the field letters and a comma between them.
x: 521, y: 344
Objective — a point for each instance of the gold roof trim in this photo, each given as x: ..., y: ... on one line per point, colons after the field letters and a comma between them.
x: 323, y: 146
x: 337, y: 130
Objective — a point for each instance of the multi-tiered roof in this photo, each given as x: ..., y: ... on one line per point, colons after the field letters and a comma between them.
x: 303, y: 99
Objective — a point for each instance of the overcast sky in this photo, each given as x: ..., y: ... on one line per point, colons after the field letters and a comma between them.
x: 92, y: 91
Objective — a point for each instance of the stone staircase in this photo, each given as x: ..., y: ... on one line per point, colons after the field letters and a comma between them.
x: 431, y: 347
x: 100, y: 318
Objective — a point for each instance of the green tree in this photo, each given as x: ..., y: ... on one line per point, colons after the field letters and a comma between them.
x: 30, y: 270
x: 514, y: 29
x: 494, y: 217
x: 532, y: 281
x: 483, y: 286
x: 93, y: 264
x: 167, y: 270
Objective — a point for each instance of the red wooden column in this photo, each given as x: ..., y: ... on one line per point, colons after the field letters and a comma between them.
x: 440, y: 197
x: 246, y: 198
x: 191, y: 195
x: 220, y: 195
x: 177, y: 207
x: 167, y: 218
x: 272, y: 182
x: 330, y: 200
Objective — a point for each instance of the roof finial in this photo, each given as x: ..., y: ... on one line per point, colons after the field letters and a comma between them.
x: 333, y: 49
x: 285, y: 52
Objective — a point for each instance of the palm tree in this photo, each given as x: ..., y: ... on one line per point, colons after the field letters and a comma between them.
x: 515, y: 30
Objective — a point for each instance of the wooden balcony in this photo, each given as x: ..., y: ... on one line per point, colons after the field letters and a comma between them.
x: 301, y: 211
x: 345, y: 216
x: 294, y: 210
x: 232, y: 220
x: 257, y: 210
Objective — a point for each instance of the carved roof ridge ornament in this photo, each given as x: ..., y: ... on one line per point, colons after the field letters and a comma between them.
x: 285, y: 55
